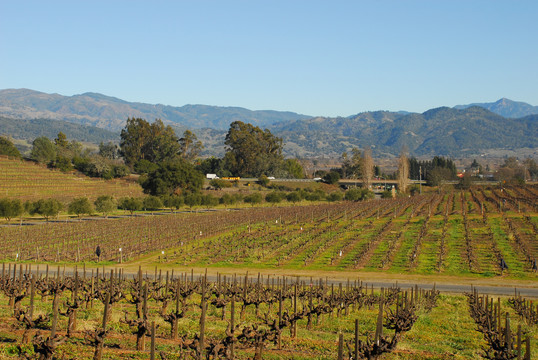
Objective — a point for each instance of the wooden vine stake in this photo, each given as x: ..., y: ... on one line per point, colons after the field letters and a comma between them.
x: 340, y: 346
x: 99, y: 335
x: 152, y: 351
x: 202, y: 319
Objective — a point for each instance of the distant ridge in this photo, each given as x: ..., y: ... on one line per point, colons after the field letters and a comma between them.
x: 111, y: 113
x: 506, y: 107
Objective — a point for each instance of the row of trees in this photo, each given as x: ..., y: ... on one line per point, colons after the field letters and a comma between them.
x: 50, y: 208
x: 12, y: 208
x: 68, y: 155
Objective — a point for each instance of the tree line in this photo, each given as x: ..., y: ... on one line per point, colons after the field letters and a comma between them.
x: 169, y: 164
x: 434, y: 171
x: 106, y: 204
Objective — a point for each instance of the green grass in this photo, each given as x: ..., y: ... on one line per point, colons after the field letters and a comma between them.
x: 511, y: 256
x: 454, y: 264
x: 428, y: 256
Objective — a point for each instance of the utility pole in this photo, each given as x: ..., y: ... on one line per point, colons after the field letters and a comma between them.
x: 420, y: 179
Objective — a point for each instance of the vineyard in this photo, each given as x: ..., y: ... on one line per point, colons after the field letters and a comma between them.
x: 483, y: 232
x: 28, y: 181
x: 49, y: 314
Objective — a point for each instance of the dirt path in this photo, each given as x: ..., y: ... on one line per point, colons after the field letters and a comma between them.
x: 445, y: 284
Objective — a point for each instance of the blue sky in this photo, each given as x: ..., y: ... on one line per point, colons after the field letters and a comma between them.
x: 313, y: 57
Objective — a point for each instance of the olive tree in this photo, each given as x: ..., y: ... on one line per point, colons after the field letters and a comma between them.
x: 80, y: 206
x: 45, y: 207
x: 105, y: 204
x: 10, y: 209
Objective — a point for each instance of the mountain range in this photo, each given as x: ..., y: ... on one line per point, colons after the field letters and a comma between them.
x: 111, y: 113
x: 459, y: 131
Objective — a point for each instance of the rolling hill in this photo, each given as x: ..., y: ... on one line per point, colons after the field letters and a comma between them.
x: 441, y: 131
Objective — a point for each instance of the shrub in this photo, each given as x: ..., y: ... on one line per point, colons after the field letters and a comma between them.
x: 130, y: 204
x: 8, y: 148
x: 220, y: 184
x: 105, y: 204
x: 331, y: 177
x: 253, y: 199
x: 263, y: 181
x: 145, y: 167
x: 119, y: 171
x: 294, y: 197
x: 152, y: 203
x: 274, y: 197
x: 43, y: 150
x: 316, y: 195
x: 387, y: 194
x: 63, y: 164
x: 358, y: 194
x: 334, y: 196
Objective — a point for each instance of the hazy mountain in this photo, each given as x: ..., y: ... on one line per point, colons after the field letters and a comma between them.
x: 111, y: 113
x: 506, y: 108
